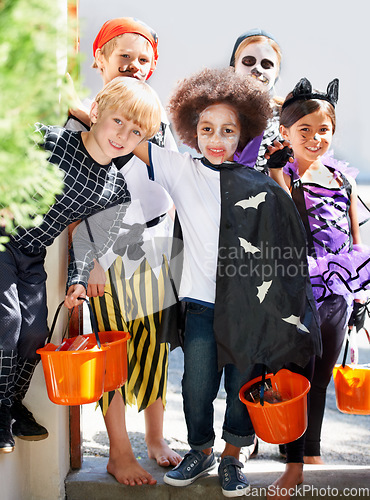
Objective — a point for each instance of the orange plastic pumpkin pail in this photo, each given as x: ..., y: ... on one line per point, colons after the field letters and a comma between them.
x: 282, y: 421
x: 74, y: 377
x: 352, y: 388
x: 116, y: 367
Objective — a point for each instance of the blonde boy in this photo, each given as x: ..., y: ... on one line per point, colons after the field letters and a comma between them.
x: 124, y: 113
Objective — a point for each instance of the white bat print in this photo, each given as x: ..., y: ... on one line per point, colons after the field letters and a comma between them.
x: 262, y: 290
x: 252, y: 201
x: 247, y: 246
x: 295, y: 320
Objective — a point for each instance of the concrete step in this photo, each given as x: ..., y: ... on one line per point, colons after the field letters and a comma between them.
x: 92, y: 482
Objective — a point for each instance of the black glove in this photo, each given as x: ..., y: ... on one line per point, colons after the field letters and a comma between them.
x: 357, y: 318
x: 280, y: 158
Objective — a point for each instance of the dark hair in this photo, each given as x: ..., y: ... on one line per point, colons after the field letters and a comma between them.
x: 219, y: 86
x: 298, y: 109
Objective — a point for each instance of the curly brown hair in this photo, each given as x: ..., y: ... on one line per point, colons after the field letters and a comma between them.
x: 215, y: 86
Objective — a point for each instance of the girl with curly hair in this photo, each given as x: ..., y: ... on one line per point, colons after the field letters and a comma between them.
x: 229, y: 216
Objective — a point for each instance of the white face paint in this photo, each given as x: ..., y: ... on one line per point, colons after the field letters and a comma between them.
x: 218, y: 133
x: 260, y: 61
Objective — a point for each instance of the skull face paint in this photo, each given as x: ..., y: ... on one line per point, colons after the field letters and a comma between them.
x: 260, y: 61
x: 218, y: 133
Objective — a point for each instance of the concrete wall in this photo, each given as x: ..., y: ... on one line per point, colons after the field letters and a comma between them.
x: 36, y: 470
x: 320, y: 41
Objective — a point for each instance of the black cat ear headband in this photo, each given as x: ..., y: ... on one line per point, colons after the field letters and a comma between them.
x: 303, y: 92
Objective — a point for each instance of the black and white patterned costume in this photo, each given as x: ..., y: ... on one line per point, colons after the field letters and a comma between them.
x: 88, y: 188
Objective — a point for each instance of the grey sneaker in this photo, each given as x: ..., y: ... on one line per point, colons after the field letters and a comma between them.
x: 194, y: 464
x: 233, y: 481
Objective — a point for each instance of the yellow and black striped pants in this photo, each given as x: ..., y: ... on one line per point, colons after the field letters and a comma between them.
x: 135, y: 305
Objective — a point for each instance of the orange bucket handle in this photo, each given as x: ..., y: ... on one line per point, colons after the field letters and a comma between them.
x: 92, y: 319
x: 54, y: 323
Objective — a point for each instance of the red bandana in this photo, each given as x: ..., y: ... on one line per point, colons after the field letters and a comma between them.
x: 122, y: 25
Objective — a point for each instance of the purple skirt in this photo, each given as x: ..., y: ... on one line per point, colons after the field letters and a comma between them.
x: 346, y: 274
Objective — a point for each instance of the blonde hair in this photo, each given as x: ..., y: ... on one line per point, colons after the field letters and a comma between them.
x: 259, y: 39
x: 135, y: 99
x: 108, y: 48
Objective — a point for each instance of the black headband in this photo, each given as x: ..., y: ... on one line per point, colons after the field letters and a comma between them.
x: 303, y: 92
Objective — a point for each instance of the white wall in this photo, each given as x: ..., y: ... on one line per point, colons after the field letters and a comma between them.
x: 35, y: 470
x: 320, y: 40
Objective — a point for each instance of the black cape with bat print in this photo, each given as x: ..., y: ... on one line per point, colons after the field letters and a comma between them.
x: 264, y: 309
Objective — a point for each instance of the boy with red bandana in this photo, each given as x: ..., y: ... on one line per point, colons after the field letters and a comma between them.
x: 127, y: 47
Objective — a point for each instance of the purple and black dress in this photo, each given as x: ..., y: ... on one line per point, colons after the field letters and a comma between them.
x: 339, y: 273
x: 336, y: 265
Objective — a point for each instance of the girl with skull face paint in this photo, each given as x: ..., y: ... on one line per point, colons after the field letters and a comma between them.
x: 256, y: 54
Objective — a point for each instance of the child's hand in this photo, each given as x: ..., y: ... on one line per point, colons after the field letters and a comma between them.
x: 73, y: 293
x: 279, y: 154
x: 96, y: 284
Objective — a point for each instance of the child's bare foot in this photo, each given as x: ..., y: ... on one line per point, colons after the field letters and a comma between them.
x: 317, y: 460
x: 127, y: 470
x: 159, y: 450
x: 285, y: 485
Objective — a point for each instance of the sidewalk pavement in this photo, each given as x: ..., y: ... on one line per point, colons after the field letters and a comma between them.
x: 345, y: 438
x: 345, y: 451
x: 92, y: 482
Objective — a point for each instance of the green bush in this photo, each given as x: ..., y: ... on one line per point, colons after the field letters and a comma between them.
x: 33, y: 55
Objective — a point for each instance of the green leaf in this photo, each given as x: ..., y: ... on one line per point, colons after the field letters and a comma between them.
x: 34, y: 47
